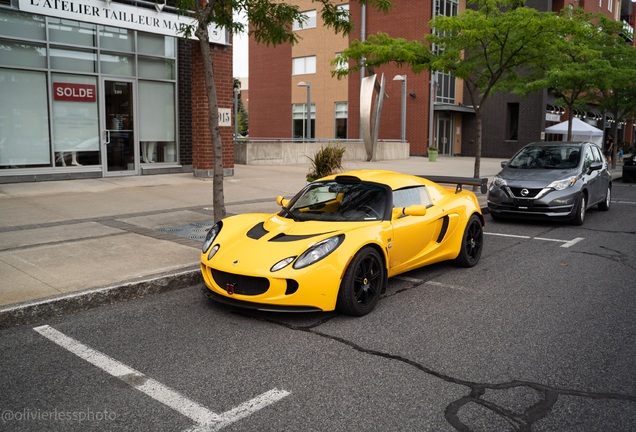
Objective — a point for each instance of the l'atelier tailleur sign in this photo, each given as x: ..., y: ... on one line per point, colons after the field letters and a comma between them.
x: 117, y: 15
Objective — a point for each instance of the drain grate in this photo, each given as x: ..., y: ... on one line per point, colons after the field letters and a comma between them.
x: 195, y: 231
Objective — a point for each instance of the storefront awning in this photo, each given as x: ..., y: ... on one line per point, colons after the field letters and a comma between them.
x: 454, y: 108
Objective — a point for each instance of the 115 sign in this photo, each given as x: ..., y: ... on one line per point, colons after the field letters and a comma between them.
x: 225, y: 117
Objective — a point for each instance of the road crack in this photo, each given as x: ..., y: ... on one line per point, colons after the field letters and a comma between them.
x: 522, y: 422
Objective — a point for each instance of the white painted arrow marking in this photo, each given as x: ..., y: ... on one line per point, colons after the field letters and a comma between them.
x: 203, y: 417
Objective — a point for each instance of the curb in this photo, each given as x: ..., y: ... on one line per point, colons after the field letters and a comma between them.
x: 53, y: 307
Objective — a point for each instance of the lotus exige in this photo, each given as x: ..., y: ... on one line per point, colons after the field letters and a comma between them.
x: 336, y: 243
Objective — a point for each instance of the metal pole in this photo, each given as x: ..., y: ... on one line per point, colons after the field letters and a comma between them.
x: 404, y: 108
x: 308, y: 110
x: 432, y: 97
x: 235, y: 113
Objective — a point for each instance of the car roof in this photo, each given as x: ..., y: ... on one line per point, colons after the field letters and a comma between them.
x: 558, y: 143
x: 390, y: 178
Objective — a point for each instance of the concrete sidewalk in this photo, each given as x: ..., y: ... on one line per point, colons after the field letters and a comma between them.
x: 67, y: 246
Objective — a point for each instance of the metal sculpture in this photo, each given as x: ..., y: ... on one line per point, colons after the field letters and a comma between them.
x: 371, y: 122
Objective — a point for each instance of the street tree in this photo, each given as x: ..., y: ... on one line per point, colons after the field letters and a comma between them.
x: 570, y: 71
x: 270, y: 22
x: 242, y: 120
x: 491, y: 46
x: 616, y: 86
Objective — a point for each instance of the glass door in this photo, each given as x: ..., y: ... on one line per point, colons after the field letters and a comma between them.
x: 444, y: 134
x: 118, y: 134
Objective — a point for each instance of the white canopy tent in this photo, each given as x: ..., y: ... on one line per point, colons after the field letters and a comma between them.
x: 581, y: 131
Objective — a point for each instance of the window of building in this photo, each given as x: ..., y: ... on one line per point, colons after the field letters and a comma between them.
x: 304, y: 65
x: 343, y: 66
x: 512, y: 122
x: 446, y: 83
x: 24, y: 121
x: 609, y: 5
x: 310, y: 21
x: 51, y: 72
x: 157, y: 122
x: 75, y: 124
x: 445, y: 88
x: 342, y: 113
x: 344, y: 8
x: 299, y: 121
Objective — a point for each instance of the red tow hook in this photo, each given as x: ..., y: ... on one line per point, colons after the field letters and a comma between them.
x: 230, y: 288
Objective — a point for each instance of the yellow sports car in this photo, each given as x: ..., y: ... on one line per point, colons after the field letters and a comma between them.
x: 336, y: 243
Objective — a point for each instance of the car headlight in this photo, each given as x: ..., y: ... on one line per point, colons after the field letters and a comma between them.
x: 214, y: 231
x: 213, y: 252
x: 563, y: 184
x: 282, y: 264
x: 499, y: 181
x: 318, y: 251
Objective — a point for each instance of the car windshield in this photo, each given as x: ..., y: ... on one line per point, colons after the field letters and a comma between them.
x: 334, y: 201
x: 547, y: 157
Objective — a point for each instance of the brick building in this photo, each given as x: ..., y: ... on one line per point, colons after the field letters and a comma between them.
x: 278, y: 104
x: 94, y: 88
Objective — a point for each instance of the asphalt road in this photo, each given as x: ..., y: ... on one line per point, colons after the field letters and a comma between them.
x: 539, y: 336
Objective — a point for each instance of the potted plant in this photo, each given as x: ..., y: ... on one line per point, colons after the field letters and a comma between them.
x: 326, y: 161
x: 432, y: 153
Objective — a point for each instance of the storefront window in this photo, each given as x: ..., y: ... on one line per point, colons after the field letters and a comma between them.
x: 75, y: 120
x: 22, y: 54
x: 157, y: 122
x: 117, y: 64
x: 155, y: 68
x: 22, y: 25
x: 24, y: 123
x: 116, y: 39
x: 73, y: 60
x: 72, y: 32
x: 155, y: 44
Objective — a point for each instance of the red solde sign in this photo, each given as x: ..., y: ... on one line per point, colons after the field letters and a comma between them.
x: 74, y: 92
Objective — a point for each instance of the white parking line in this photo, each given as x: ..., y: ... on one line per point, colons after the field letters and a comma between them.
x: 205, y: 419
x: 566, y: 243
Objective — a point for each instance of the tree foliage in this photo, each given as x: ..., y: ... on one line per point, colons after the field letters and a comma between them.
x: 271, y: 22
x: 492, y: 47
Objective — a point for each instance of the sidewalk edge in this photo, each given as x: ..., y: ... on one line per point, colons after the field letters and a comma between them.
x: 38, y: 310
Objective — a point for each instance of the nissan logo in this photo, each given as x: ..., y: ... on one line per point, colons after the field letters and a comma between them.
x: 525, y: 192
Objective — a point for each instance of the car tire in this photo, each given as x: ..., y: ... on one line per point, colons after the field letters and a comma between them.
x: 579, y: 212
x: 605, y: 204
x: 495, y: 216
x: 472, y: 243
x: 362, y: 283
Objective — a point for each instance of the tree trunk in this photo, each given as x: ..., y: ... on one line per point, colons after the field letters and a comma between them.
x: 570, y: 118
x: 477, y: 144
x: 615, y: 146
x: 215, y: 132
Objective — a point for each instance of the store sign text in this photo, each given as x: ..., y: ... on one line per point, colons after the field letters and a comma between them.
x: 118, y: 15
x: 74, y: 92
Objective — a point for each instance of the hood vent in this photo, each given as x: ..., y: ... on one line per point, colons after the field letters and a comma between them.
x: 257, y: 231
x: 291, y: 238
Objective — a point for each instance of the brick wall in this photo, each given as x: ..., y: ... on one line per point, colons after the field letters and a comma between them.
x: 202, y: 151
x: 270, y: 71
x: 408, y: 19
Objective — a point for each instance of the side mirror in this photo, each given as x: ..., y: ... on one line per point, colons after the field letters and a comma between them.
x: 596, y: 166
x: 282, y: 201
x: 503, y: 164
x: 415, y: 210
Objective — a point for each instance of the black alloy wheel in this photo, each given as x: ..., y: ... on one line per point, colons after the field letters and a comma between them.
x: 362, y: 283
x: 472, y: 243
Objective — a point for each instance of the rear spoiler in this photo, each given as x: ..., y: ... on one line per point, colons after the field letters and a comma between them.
x: 459, y: 181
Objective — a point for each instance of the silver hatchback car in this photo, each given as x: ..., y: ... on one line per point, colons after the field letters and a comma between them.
x: 551, y: 180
